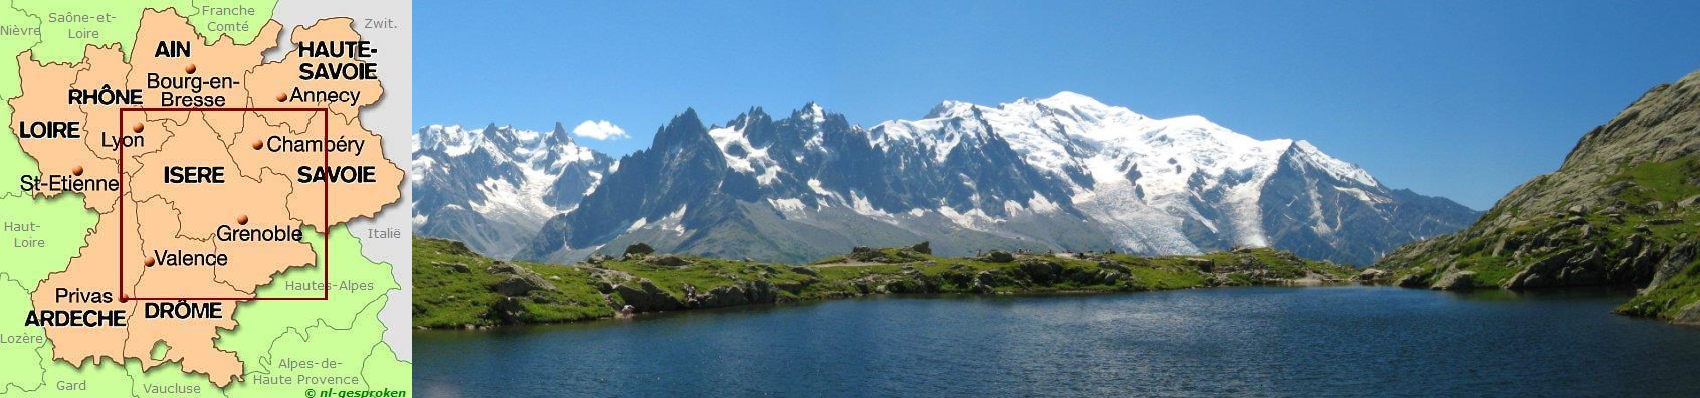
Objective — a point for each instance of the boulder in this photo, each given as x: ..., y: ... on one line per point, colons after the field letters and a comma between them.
x: 725, y: 296
x: 924, y: 247
x: 1688, y: 203
x: 1411, y: 281
x: 638, y: 249
x: 1673, y: 263
x: 645, y: 297
x: 1371, y: 275
x: 998, y: 256
x: 509, y: 310
x: 1689, y: 315
x: 1548, y: 272
x: 1459, y: 280
x: 1108, y: 277
x: 668, y: 260
x: 957, y: 277
x: 865, y: 254
x: 1040, y: 270
x: 519, y: 284
x: 458, y: 248
x: 1203, y: 264
x: 1578, y: 210
x: 457, y: 267
x: 805, y: 270
x: 984, y: 282
x: 502, y: 267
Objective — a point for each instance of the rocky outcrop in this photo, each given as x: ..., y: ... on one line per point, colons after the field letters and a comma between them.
x: 667, y: 260
x: 637, y: 250
x: 1460, y: 280
x: 758, y: 292
x: 1411, y: 281
x: 863, y: 254
x: 1372, y: 275
x: 1689, y: 315
x: 1674, y: 262
x: 1202, y: 264
x: 522, y: 283
x: 646, y: 297
x: 516, y: 290
x: 520, y: 280
x: 1040, y: 271
x: 923, y: 248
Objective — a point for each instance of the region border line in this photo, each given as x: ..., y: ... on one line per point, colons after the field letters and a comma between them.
x: 326, y: 111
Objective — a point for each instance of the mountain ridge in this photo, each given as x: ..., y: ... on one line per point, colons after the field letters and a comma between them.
x: 493, y: 187
x: 1059, y: 173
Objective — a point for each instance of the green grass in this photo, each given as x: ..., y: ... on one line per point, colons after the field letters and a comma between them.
x: 1679, y: 292
x: 705, y: 274
x: 1665, y: 182
x: 1662, y: 181
x: 446, y: 297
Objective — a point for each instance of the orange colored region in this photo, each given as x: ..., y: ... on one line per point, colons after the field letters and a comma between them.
x: 211, y: 201
x: 284, y: 84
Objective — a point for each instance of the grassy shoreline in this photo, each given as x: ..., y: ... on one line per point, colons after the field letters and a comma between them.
x: 456, y: 288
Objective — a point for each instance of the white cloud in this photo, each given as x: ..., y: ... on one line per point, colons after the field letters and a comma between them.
x: 599, y: 130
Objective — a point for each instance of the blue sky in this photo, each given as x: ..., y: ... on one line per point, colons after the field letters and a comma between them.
x: 1459, y: 99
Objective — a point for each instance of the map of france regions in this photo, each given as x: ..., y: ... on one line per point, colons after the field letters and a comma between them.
x: 181, y: 182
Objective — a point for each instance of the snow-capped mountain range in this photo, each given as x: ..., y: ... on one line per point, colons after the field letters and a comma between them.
x: 1060, y: 173
x: 493, y: 188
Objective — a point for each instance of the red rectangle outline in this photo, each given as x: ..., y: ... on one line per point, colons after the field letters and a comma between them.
x: 327, y: 232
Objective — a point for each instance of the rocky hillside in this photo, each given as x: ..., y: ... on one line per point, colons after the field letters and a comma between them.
x: 457, y: 288
x: 1622, y: 210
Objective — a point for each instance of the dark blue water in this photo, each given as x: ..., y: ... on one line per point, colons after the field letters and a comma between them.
x: 1237, y: 341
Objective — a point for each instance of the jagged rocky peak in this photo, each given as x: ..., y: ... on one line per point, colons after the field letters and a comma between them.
x: 493, y: 187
